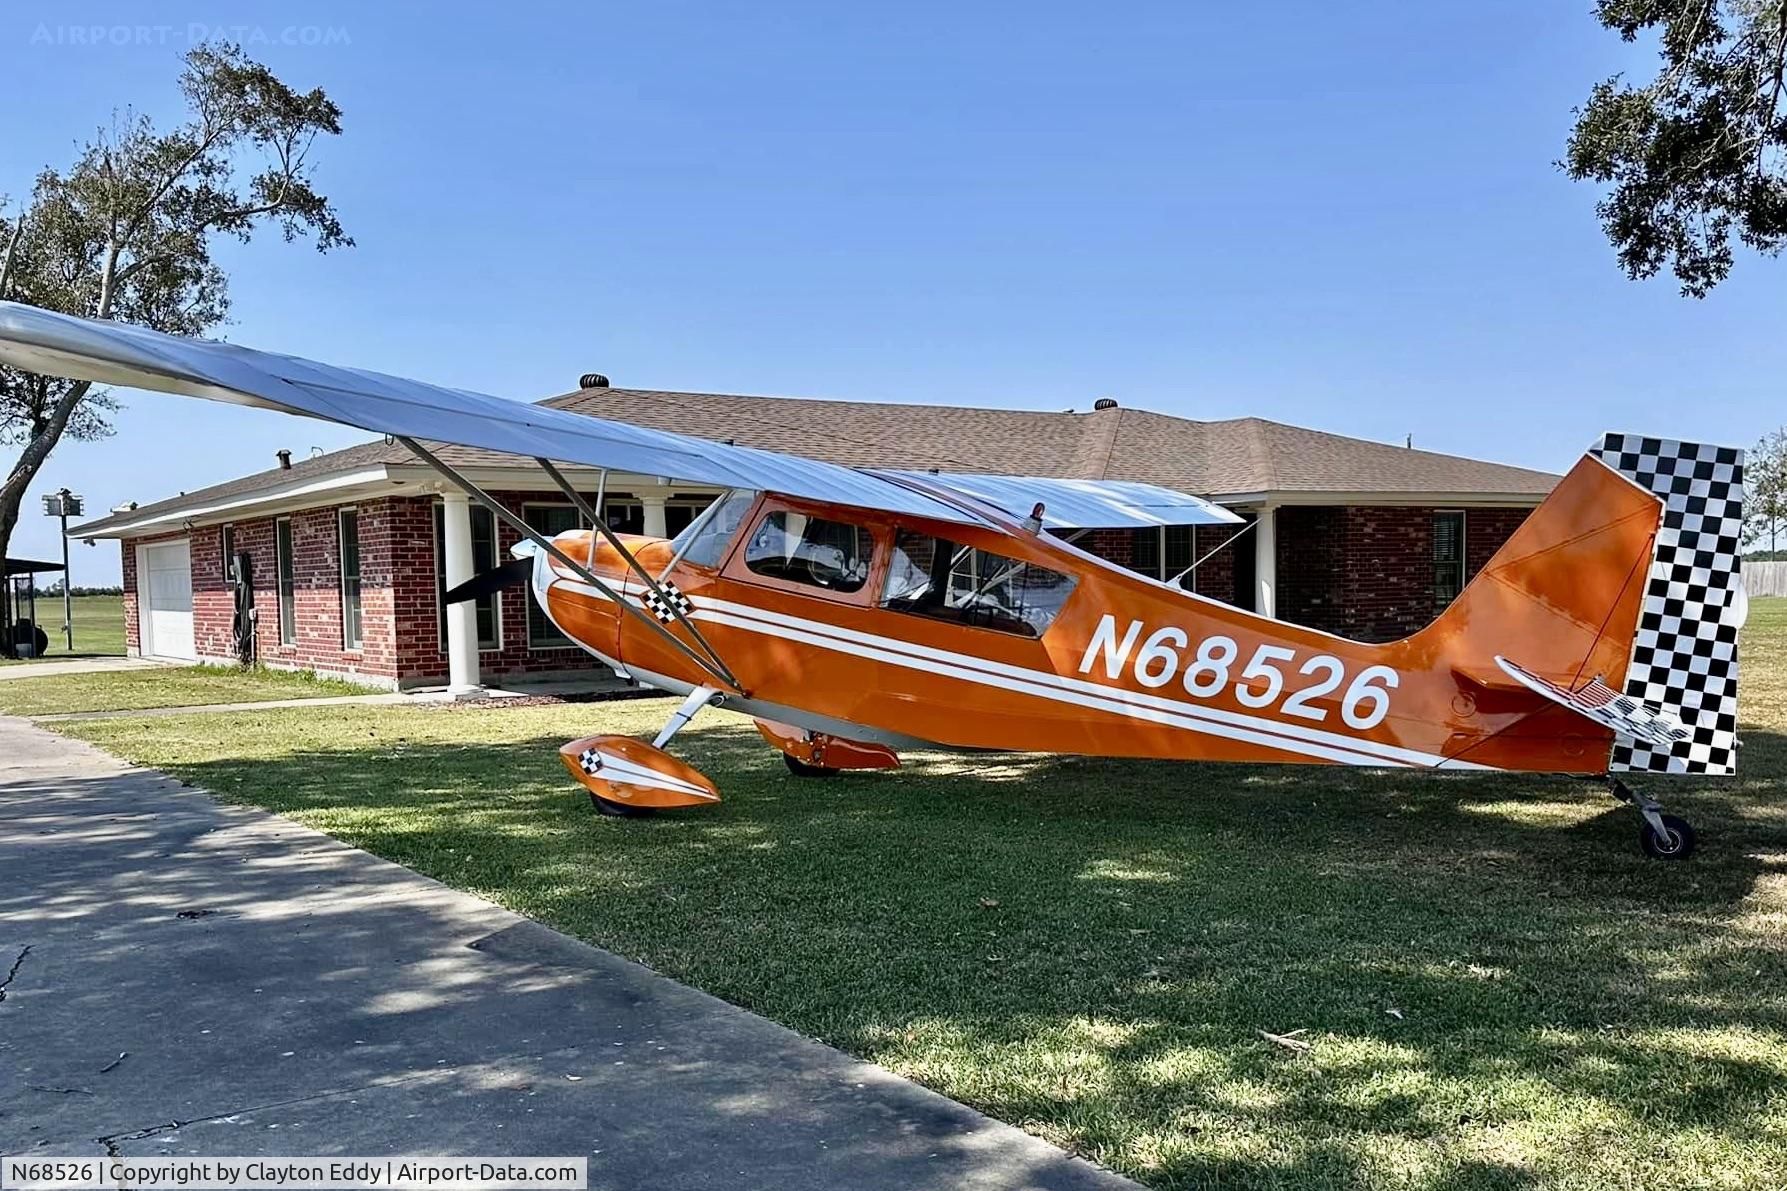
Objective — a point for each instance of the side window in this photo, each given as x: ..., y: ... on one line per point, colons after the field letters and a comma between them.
x: 946, y: 581
x: 811, y: 550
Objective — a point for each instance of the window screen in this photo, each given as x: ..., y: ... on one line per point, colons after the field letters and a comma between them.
x: 834, y: 555
x: 351, y: 622
x: 548, y: 521
x: 1448, y: 558
x: 288, y: 600
x: 945, y: 581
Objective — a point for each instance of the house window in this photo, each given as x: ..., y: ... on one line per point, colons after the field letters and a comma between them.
x: 483, y: 559
x: 680, y: 511
x: 624, y: 514
x: 1144, y: 551
x: 1448, y: 558
x: 548, y: 521
x: 351, y: 625
x: 288, y: 599
x: 1180, y: 550
x: 944, y: 581
x: 227, y: 546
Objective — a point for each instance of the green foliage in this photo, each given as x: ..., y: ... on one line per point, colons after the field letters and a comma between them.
x: 127, y: 231
x: 1698, y: 155
x: 1765, y: 491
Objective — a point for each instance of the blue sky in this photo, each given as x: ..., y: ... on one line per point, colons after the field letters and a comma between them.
x: 1342, y: 216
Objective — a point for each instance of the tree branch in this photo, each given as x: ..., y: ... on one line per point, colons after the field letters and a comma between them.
x: 1774, y: 99
x: 12, y: 249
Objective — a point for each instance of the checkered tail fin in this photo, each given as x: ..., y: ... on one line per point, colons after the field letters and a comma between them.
x: 1684, y: 652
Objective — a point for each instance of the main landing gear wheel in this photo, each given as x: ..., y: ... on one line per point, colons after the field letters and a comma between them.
x: 1677, y: 844
x: 1663, y: 837
x: 800, y: 768
x: 616, y: 810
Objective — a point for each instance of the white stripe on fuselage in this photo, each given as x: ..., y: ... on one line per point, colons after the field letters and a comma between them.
x: 1214, y: 721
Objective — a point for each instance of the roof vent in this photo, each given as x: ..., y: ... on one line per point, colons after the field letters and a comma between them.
x: 285, y: 460
x: 1105, y: 403
x: 592, y: 380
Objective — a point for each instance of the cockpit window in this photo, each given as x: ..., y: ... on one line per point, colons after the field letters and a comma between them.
x: 793, y: 546
x: 946, y: 581
x: 705, y: 540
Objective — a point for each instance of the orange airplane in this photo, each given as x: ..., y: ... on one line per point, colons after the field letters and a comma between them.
x: 855, y: 612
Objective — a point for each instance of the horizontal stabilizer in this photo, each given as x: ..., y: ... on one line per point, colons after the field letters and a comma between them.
x: 1599, y: 702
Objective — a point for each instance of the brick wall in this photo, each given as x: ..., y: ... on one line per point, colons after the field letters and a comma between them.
x: 1215, y: 578
x: 1311, y: 564
x: 1366, y: 571
x: 132, y: 636
x: 417, y: 618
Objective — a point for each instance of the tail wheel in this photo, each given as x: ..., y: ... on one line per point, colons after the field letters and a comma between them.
x: 800, y: 768
x: 1676, y: 844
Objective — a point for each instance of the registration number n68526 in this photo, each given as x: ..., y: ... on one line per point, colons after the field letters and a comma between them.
x: 1208, y: 670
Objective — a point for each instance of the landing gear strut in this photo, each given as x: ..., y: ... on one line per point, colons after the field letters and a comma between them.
x: 1663, y: 837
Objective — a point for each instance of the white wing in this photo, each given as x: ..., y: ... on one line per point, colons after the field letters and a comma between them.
x: 54, y: 344
x: 1082, y: 504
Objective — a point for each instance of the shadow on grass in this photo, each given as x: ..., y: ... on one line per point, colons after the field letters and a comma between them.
x: 1088, y: 948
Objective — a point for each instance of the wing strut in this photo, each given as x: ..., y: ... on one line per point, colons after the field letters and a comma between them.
x: 601, y: 525
x: 528, y: 531
x: 1214, y: 551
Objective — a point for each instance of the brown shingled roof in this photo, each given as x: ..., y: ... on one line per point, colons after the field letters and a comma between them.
x: 1225, y: 458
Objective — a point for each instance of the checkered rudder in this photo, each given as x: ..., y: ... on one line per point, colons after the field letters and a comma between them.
x: 1685, y: 654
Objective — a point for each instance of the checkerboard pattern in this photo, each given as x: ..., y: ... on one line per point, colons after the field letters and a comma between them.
x: 1685, y: 655
x: 590, y: 761
x: 1604, y: 705
x: 666, y: 607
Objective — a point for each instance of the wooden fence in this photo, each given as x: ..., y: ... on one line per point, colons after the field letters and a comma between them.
x: 1765, y: 579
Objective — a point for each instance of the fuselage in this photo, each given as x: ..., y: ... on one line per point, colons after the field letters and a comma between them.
x: 897, y: 630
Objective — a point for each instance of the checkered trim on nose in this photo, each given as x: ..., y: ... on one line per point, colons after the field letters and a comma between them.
x: 1685, y: 655
x: 666, y: 606
x: 590, y: 761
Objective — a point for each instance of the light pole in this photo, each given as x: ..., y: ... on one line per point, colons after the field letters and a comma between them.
x: 64, y: 504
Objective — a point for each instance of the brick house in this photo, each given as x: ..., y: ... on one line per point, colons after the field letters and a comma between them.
x: 1353, y: 537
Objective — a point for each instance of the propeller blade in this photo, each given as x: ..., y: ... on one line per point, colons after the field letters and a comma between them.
x: 516, y: 570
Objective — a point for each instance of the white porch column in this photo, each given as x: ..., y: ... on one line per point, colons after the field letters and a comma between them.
x: 652, y: 504
x: 1265, y: 561
x: 462, y: 618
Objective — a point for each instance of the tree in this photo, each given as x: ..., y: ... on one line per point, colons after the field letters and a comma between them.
x: 1765, y: 491
x: 1698, y: 155
x: 127, y: 232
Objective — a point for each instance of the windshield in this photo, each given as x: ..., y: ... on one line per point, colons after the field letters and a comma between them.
x: 705, y: 540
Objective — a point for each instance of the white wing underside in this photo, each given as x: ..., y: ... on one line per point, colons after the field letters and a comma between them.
x: 53, y: 344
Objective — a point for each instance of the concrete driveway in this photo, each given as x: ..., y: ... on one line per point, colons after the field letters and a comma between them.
x: 273, y: 991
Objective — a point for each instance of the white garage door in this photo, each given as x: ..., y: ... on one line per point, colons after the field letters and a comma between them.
x: 164, y: 582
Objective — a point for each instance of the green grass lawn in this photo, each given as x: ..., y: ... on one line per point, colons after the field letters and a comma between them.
x: 98, y: 626
x: 162, y: 686
x: 1498, y: 989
